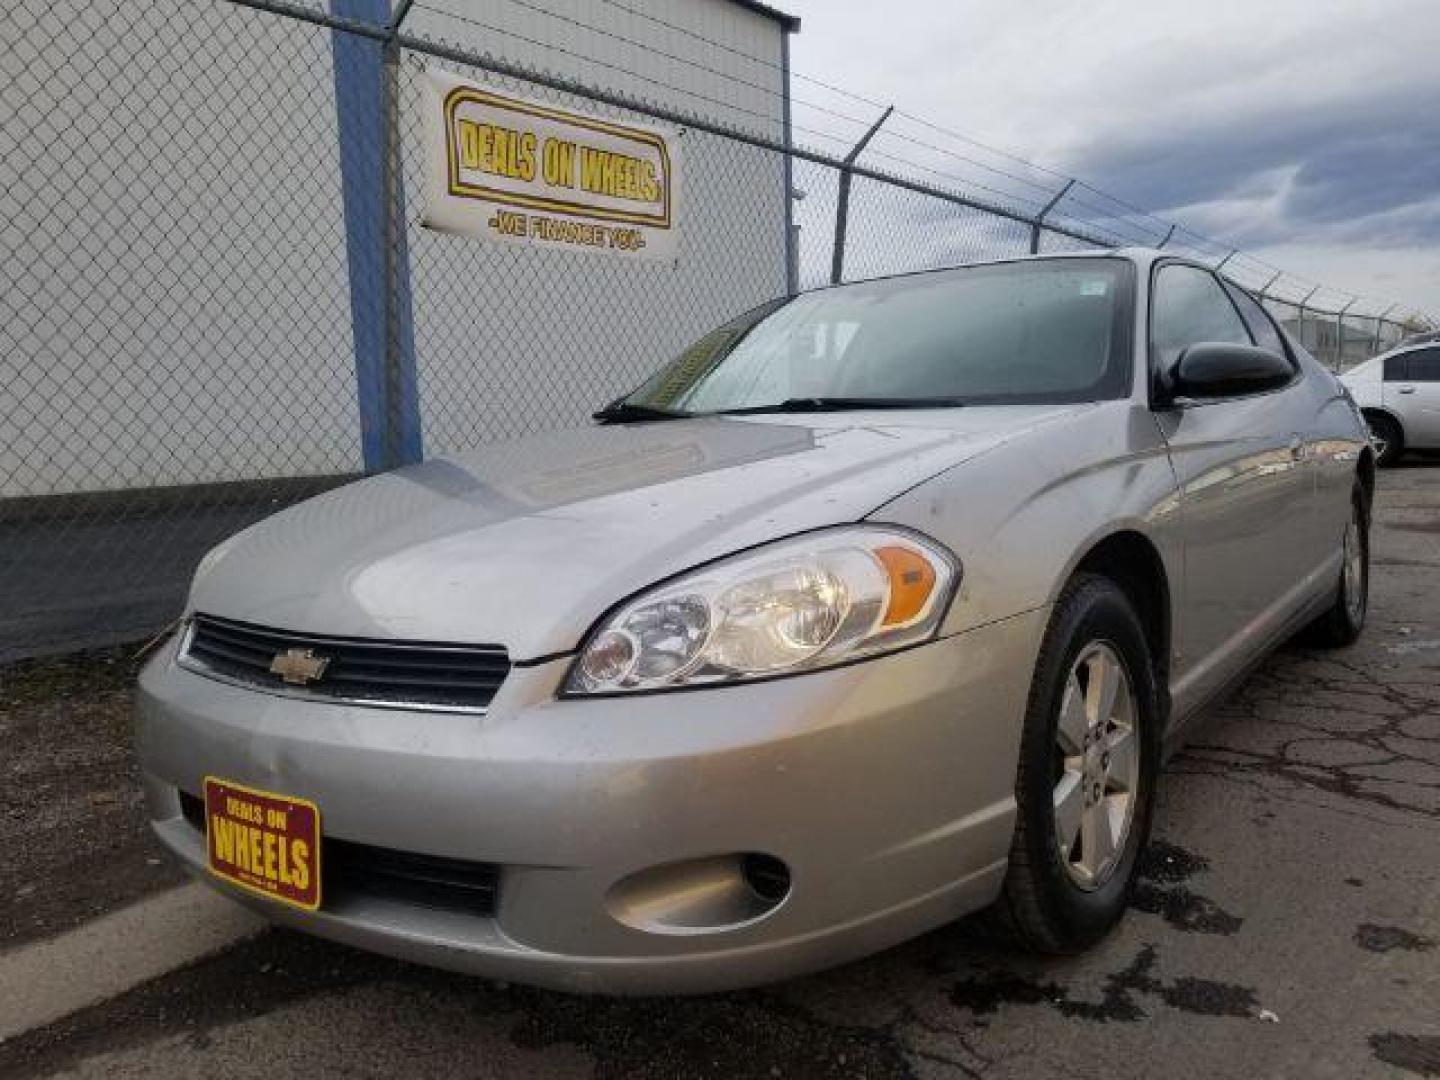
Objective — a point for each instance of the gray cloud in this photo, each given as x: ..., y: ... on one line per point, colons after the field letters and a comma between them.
x: 1302, y: 129
x: 1370, y: 168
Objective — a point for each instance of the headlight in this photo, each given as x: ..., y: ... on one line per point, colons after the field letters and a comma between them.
x: 807, y: 602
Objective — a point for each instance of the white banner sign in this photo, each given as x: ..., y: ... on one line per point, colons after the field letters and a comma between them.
x: 522, y: 172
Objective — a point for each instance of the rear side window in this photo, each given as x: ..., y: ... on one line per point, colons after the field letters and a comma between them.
x: 1190, y: 307
x: 1262, y: 327
x: 1395, y: 368
x: 1424, y: 365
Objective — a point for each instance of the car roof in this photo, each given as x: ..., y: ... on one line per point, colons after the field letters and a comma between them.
x: 1143, y: 257
x: 1407, y: 346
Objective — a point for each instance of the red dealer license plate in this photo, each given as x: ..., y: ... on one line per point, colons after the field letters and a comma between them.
x: 263, y: 842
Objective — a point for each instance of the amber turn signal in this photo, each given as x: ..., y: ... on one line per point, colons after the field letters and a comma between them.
x: 912, y: 580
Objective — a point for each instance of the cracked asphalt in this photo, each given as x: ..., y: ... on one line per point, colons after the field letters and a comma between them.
x: 1287, y: 925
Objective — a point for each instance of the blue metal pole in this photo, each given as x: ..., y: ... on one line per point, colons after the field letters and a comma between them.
x: 376, y: 253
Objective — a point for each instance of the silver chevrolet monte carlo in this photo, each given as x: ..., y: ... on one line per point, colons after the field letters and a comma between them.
x: 878, y: 606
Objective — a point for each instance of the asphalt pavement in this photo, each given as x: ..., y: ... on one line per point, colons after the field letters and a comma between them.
x: 1287, y: 925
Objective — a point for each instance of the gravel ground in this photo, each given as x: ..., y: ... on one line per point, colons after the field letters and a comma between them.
x: 1287, y: 925
x: 72, y: 829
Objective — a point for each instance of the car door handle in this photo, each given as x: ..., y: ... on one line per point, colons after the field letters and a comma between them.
x: 1407, y: 390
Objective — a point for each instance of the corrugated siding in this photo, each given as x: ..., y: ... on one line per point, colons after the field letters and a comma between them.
x: 513, y: 340
x: 174, y: 305
x: 173, y: 300
x: 727, y: 58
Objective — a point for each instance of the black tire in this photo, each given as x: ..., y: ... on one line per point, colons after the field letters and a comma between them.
x: 1041, y: 906
x: 1343, y: 622
x: 1387, y: 438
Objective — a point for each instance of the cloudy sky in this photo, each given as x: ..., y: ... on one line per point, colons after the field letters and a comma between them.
x: 1305, y: 131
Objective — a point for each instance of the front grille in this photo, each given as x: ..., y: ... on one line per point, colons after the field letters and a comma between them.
x: 351, y: 869
x: 390, y: 673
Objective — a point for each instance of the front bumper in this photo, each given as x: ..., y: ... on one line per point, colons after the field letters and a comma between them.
x: 885, y: 787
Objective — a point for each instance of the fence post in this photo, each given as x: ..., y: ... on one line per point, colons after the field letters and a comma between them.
x: 1300, y: 318
x: 1340, y: 333
x: 842, y: 200
x: 792, y: 239
x: 372, y: 190
x: 389, y: 78
x: 402, y: 419
x: 1039, y: 222
x: 1379, y: 322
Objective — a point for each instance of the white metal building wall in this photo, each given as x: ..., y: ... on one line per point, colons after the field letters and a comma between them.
x: 513, y: 340
x: 174, y: 305
x: 716, y: 58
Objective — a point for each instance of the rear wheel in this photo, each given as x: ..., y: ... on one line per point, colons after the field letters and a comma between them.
x: 1386, y: 437
x: 1090, y: 754
x: 1342, y: 623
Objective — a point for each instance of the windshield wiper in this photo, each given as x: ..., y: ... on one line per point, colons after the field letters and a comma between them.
x: 623, y: 412
x: 844, y: 404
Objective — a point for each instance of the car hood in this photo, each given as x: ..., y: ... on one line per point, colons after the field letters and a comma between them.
x: 525, y: 544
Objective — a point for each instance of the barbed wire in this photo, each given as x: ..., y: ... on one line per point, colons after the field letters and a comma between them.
x: 964, y: 182
x: 1103, y: 227
x: 823, y: 84
x: 779, y: 95
x: 1130, y: 223
x: 730, y: 106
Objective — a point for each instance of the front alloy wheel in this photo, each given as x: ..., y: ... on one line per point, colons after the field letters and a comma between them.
x: 1089, y: 758
x: 1098, y: 762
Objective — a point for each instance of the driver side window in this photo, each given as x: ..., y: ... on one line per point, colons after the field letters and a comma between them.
x: 1188, y: 307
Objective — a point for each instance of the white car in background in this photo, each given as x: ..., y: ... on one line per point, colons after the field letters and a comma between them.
x: 1399, y: 396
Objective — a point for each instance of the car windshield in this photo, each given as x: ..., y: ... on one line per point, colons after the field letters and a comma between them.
x: 1010, y: 333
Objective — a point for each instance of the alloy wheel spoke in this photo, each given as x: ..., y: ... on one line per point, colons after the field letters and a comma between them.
x: 1103, y: 685
x: 1069, y: 808
x: 1097, y: 838
x: 1073, y: 720
x: 1121, y: 749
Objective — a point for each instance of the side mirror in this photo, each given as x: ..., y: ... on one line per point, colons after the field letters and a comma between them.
x: 1215, y: 369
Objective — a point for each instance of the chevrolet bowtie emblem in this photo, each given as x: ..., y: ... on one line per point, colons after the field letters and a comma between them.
x: 299, y: 666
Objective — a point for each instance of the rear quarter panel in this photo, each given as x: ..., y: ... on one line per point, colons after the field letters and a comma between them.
x: 1334, y: 443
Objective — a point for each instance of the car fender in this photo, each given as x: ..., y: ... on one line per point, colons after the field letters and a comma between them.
x: 1021, y: 517
x: 1384, y: 411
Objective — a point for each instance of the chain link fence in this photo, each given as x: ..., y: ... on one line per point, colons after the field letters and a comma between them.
x: 200, y: 311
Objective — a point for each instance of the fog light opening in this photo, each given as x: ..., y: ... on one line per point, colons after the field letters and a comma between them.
x: 710, y: 895
x: 767, y: 876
